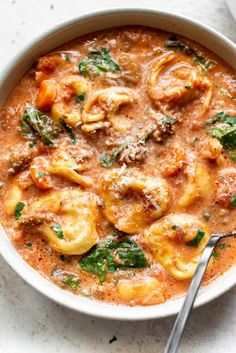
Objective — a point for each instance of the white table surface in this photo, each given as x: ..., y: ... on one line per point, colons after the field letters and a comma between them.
x: 31, y: 323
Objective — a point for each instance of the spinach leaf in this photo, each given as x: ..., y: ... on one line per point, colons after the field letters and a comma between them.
x: 68, y: 129
x: 34, y: 123
x: 225, y: 132
x: 231, y: 120
x: 98, y: 62
x: 99, y: 262
x: 175, y: 43
x: 19, y: 208
x: 112, y: 254
x: 195, y: 242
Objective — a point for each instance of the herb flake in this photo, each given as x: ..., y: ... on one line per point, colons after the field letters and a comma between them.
x: 195, y: 241
x: 79, y: 99
x: 57, y: 229
x: 41, y: 174
x: 18, y: 210
x: 215, y: 254
x: 69, y: 130
x: 32, y: 144
x: 223, y: 245
x: 108, y: 160
x: 72, y: 281
x: 166, y: 119
x: 233, y: 200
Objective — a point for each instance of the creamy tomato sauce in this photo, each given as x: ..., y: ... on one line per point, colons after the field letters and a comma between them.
x: 118, y: 161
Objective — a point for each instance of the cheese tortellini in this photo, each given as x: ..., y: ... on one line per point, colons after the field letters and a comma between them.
x: 67, y: 88
x: 198, y: 185
x: 62, y: 164
x: 133, y: 200
x: 177, y: 242
x: 145, y: 291
x: 14, y: 195
x: 171, y: 81
x: 101, y: 106
x: 73, y: 212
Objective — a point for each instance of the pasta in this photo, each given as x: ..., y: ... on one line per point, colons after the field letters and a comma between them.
x: 71, y: 86
x: 102, y: 105
x: 76, y: 213
x: 198, y: 185
x: 64, y: 165
x: 141, y: 291
x: 130, y: 215
x: 186, y: 82
x: 14, y: 196
x: 170, y: 240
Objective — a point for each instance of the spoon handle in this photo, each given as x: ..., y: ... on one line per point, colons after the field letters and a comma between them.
x: 182, y: 318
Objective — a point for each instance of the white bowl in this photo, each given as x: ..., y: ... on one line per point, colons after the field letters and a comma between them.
x: 216, y: 42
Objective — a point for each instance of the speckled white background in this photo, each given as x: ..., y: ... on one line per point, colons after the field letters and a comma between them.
x: 29, y: 322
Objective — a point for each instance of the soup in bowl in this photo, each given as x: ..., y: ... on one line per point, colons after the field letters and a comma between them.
x: 118, y: 162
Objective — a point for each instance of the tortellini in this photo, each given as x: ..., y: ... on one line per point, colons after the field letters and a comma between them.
x: 212, y: 149
x: 14, y: 195
x: 198, y: 185
x: 145, y: 291
x: 177, y: 242
x: 226, y: 187
x: 171, y: 81
x: 101, y: 106
x: 62, y: 164
x: 67, y: 88
x: 133, y: 200
x: 73, y: 212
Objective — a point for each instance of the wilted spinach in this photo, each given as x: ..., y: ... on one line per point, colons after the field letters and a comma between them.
x: 225, y: 132
x: 98, y: 62
x: 68, y: 129
x: 34, y: 123
x: 175, y: 43
x: 112, y: 254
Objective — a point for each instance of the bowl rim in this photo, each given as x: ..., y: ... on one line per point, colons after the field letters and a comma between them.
x: 79, y: 303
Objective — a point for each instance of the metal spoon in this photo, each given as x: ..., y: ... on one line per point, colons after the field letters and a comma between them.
x: 182, y: 318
